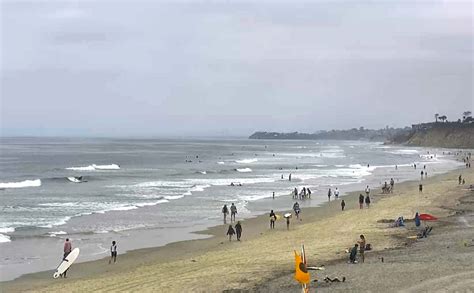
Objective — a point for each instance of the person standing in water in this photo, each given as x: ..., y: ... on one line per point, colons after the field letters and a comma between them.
x: 113, y: 252
x: 273, y: 196
x: 230, y: 232
x: 343, y: 205
x: 329, y: 194
x: 233, y: 212
x: 361, y: 201
x: 289, y: 177
x: 225, y: 211
x: 238, y: 230
x: 67, y: 250
x: 336, y: 193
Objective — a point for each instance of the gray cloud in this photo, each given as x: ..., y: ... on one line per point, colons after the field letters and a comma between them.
x: 155, y: 68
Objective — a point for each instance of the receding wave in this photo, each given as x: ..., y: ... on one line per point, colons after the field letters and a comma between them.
x: 246, y: 161
x: 95, y: 167
x: 21, y: 184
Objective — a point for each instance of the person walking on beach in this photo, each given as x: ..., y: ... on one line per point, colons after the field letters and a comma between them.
x: 296, y: 208
x: 233, y: 212
x: 361, y: 201
x: 420, y: 188
x: 113, y: 252
x: 225, y: 211
x: 367, y: 201
x: 295, y: 193
x: 67, y: 250
x: 343, y: 205
x: 238, y: 230
x: 288, y: 223
x: 353, y: 254
x: 336, y: 193
x: 230, y: 232
x: 362, y: 247
x: 367, y: 190
x: 417, y: 220
x: 460, y: 179
x: 272, y: 219
x: 329, y: 194
x: 392, y: 183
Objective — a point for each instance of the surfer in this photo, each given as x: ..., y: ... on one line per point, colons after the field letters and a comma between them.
x: 309, y: 193
x: 272, y: 219
x: 289, y: 177
x: 230, y: 232
x: 273, y: 195
x: 233, y: 212
x: 113, y: 252
x: 225, y: 211
x: 238, y: 230
x: 67, y: 250
x: 336, y: 193
x: 343, y: 204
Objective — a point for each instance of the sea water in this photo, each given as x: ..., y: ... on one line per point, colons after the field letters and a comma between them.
x: 149, y: 192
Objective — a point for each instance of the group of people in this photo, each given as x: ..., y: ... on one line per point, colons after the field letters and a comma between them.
x: 68, y: 248
x: 233, y: 212
x: 305, y: 193
x: 388, y: 187
x: 237, y: 231
x: 331, y: 193
x: 362, y: 200
x: 361, y: 246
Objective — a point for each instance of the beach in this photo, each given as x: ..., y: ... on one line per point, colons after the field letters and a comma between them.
x: 263, y: 261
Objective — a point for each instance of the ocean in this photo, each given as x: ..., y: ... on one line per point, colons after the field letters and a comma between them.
x: 150, y: 192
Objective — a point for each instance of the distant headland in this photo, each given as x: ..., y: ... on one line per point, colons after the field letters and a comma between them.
x: 440, y: 133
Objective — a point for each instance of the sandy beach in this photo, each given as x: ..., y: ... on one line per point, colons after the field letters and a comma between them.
x: 263, y: 261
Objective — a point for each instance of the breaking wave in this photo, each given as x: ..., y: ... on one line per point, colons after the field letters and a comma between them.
x: 95, y: 167
x: 21, y: 184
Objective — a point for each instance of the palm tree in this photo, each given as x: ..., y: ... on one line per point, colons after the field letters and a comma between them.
x: 436, y: 117
x: 443, y: 118
x: 466, y: 114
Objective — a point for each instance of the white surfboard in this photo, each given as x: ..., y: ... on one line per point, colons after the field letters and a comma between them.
x: 74, y: 179
x: 287, y: 215
x: 66, y: 263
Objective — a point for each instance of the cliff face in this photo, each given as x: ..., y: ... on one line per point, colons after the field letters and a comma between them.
x: 444, y: 136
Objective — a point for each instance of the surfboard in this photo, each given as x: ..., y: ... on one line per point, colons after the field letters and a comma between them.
x: 278, y: 217
x: 66, y: 263
x: 74, y: 179
x: 287, y: 215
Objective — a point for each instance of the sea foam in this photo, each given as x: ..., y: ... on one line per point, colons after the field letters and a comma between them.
x: 21, y: 184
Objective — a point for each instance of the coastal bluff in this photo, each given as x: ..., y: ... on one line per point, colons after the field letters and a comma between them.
x: 446, y: 135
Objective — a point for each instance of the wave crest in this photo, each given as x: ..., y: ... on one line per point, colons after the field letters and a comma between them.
x: 21, y: 184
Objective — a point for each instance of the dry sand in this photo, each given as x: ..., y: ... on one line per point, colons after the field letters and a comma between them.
x: 264, y: 260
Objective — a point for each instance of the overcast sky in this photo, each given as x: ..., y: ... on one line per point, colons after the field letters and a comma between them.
x: 231, y: 68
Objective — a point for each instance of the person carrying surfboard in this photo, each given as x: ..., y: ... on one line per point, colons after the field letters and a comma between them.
x: 67, y: 250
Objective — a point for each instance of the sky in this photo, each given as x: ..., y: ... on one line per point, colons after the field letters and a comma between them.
x: 229, y: 68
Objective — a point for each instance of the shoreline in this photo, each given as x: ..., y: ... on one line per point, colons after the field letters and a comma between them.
x: 182, y: 251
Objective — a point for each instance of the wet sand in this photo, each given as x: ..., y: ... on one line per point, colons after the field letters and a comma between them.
x: 263, y: 260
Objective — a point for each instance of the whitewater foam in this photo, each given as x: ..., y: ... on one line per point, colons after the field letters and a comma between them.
x: 4, y: 238
x: 95, y: 167
x: 244, y: 170
x: 21, y: 184
x: 7, y: 230
x: 246, y: 161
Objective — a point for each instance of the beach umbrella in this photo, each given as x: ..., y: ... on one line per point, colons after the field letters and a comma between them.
x: 427, y: 217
